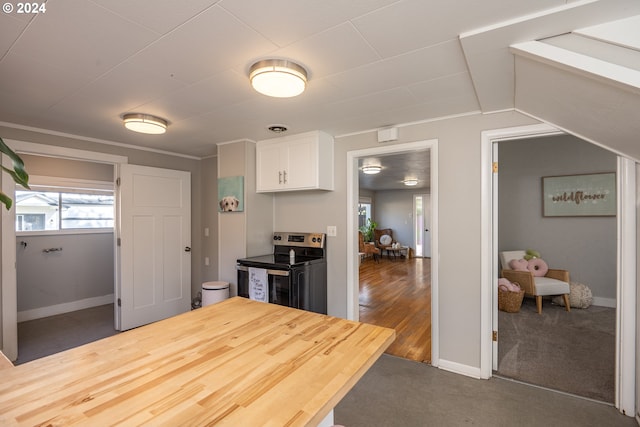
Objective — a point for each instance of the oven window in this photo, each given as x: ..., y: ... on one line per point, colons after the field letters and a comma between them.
x: 279, y: 288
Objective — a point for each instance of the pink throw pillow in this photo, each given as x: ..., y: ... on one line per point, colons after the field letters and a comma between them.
x: 519, y: 264
x: 537, y: 267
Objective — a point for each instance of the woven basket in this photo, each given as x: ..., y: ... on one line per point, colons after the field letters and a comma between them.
x: 510, y: 301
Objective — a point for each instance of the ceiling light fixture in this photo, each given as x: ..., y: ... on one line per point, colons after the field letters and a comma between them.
x: 410, y: 182
x: 145, y: 123
x: 279, y: 78
x: 371, y: 169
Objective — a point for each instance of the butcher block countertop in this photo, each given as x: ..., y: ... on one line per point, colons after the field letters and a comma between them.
x: 235, y: 363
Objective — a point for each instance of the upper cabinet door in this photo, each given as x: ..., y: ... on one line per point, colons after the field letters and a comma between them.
x: 269, y: 167
x: 297, y: 162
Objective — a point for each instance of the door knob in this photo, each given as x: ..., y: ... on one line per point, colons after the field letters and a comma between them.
x: 187, y: 249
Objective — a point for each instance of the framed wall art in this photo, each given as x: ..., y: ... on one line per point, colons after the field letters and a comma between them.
x: 579, y: 195
x: 231, y: 194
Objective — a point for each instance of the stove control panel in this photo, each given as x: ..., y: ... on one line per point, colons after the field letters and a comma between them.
x: 309, y: 240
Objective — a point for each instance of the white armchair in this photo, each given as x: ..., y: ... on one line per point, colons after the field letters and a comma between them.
x: 554, y: 282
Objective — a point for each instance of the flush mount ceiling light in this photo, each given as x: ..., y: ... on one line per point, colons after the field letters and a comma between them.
x: 371, y: 169
x: 410, y: 182
x: 145, y: 123
x: 278, y: 78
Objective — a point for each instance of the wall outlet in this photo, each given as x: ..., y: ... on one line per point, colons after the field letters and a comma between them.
x: 206, y: 260
x: 206, y: 232
x: 332, y: 230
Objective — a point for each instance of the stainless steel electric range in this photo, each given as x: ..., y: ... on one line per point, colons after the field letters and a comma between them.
x: 296, y: 271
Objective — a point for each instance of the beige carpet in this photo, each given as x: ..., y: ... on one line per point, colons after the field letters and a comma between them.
x: 572, y: 352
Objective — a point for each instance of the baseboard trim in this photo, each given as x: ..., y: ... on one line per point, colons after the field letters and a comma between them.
x: 52, y: 310
x: 604, y: 302
x: 458, y: 368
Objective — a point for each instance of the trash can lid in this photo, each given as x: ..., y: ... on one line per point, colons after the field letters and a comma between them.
x: 215, y: 285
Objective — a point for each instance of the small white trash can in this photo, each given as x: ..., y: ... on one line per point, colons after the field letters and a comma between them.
x: 213, y: 292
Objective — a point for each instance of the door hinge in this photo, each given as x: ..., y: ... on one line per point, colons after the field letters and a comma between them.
x: 494, y: 336
x: 118, y: 181
x: 118, y: 241
x: 495, y: 167
x: 119, y: 302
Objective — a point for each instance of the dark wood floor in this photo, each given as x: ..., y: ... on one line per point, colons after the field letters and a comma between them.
x: 397, y: 294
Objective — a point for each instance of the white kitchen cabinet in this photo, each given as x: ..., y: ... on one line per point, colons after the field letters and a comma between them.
x: 296, y: 162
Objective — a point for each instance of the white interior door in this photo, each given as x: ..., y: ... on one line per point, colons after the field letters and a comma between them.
x: 422, y: 224
x: 426, y: 230
x: 155, y: 245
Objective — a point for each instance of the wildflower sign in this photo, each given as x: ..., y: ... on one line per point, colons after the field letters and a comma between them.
x: 579, y: 195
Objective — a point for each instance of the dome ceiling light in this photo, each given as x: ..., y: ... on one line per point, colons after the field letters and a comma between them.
x: 279, y: 78
x: 371, y: 169
x: 411, y: 182
x: 145, y: 123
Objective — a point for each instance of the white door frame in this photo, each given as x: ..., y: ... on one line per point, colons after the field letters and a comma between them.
x: 626, y: 262
x: 352, y: 226
x: 8, y: 292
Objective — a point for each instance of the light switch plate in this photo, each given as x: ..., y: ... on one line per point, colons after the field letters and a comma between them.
x: 332, y: 230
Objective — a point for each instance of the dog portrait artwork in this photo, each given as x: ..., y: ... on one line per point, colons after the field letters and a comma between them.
x: 229, y: 204
x: 231, y: 194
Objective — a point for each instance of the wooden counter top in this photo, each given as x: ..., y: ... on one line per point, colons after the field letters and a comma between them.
x: 235, y: 363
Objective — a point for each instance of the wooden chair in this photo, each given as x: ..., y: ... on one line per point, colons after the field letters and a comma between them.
x: 555, y: 282
x: 377, y: 235
x: 367, y: 249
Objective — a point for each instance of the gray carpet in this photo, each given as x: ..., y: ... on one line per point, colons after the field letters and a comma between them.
x: 572, y: 351
x: 403, y: 393
x: 42, y: 337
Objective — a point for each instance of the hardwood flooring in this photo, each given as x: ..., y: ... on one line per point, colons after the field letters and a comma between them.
x: 397, y: 294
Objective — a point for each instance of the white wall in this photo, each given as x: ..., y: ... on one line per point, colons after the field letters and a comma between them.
x: 586, y: 246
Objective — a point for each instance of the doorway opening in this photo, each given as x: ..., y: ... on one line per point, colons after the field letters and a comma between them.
x: 400, y: 221
x: 548, y: 348
x: 626, y: 255
x: 10, y: 245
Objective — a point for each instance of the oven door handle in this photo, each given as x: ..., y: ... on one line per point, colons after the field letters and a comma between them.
x: 269, y: 272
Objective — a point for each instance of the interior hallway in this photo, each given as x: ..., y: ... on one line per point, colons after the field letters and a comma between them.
x: 396, y: 293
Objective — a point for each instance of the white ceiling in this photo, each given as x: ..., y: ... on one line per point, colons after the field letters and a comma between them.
x: 77, y: 67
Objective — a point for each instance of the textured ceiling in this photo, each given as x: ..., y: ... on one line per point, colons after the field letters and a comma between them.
x: 80, y: 65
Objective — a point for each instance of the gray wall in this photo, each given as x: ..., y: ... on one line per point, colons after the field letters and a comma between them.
x: 586, y: 246
x: 209, y: 219
x: 83, y: 269
x: 246, y: 233
x: 51, y: 166
x: 394, y: 209
x: 459, y: 223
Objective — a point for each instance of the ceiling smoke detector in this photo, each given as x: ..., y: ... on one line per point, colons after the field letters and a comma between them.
x: 277, y: 128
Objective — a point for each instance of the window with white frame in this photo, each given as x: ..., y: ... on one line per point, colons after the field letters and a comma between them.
x: 64, y: 205
x: 364, y: 211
